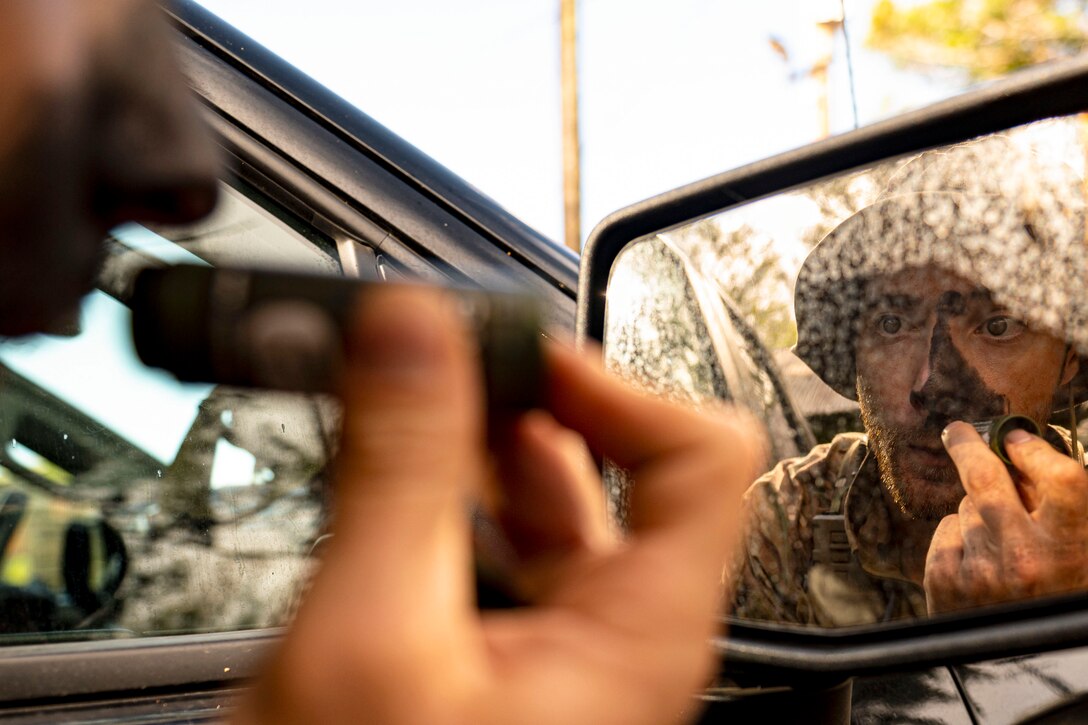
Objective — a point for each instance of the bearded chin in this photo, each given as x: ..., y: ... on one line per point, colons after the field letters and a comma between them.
x: 888, y: 447
x: 923, y: 492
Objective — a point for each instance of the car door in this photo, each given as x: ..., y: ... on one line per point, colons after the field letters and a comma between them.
x: 156, y: 534
x: 315, y: 184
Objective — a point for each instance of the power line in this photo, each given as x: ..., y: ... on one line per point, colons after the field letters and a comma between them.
x: 849, y: 64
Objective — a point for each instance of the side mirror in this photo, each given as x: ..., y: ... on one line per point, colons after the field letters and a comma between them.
x: 877, y: 209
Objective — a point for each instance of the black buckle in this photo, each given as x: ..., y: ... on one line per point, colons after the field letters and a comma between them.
x: 831, y: 547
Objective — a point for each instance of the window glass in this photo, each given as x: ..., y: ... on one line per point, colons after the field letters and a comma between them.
x: 134, y: 505
x: 673, y: 330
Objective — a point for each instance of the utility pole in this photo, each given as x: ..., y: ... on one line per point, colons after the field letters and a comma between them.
x: 572, y: 163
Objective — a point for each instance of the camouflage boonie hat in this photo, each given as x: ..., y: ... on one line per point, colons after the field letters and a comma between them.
x: 989, y: 211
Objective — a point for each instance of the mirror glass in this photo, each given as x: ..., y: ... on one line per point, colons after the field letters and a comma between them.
x: 859, y: 317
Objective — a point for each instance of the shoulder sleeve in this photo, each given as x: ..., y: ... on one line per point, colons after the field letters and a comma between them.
x: 767, y: 578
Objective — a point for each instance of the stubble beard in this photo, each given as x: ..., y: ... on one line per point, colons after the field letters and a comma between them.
x: 921, y: 492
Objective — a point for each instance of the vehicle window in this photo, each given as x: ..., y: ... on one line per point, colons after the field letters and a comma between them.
x: 134, y: 505
x: 858, y: 317
x: 673, y: 330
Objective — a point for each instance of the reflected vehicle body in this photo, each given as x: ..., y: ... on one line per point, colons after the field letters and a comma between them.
x: 216, y: 492
x: 63, y: 560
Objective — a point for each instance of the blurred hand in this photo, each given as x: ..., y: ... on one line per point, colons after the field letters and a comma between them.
x: 1009, y: 540
x: 97, y: 127
x: 617, y: 631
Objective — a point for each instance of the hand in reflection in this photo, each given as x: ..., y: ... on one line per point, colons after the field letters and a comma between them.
x: 1010, y: 540
x: 616, y: 631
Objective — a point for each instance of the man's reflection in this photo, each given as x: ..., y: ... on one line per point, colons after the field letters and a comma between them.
x: 921, y: 307
x: 934, y: 348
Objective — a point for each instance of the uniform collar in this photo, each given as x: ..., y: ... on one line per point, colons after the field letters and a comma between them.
x: 867, y: 516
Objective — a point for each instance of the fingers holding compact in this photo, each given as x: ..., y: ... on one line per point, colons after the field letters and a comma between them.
x: 688, y: 470
x: 620, y: 631
x: 995, y: 549
x: 392, y: 603
x: 551, y: 503
x: 986, y: 481
x: 1061, y: 482
x: 640, y: 610
x: 411, y: 446
x: 654, y: 440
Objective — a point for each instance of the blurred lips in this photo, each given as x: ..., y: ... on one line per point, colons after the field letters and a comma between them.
x: 928, y: 456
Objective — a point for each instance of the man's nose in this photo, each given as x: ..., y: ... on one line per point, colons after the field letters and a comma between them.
x: 921, y: 380
x: 946, y: 387
x: 923, y: 384
x: 154, y: 159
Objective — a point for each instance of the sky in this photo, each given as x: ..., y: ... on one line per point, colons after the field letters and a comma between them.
x: 670, y: 93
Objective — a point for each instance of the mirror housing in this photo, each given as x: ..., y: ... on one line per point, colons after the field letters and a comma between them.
x: 768, y: 654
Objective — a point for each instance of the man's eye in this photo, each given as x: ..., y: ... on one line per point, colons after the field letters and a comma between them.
x: 889, y: 324
x: 1002, y: 327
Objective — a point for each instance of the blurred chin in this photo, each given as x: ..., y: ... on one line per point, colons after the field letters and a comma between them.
x: 53, y: 317
x: 43, y: 295
x: 927, y: 494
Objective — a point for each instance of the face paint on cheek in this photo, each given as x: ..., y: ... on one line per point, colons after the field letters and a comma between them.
x: 920, y: 478
x: 954, y: 389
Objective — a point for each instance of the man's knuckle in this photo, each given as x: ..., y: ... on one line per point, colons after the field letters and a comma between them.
x: 1069, y: 472
x: 942, y: 561
x: 990, y: 511
x: 1023, y: 568
x: 985, y: 477
x: 1041, y: 457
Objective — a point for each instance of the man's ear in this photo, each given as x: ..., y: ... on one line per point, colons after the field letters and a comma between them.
x: 1071, y: 364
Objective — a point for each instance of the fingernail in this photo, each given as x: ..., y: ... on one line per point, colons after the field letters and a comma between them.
x: 954, y: 433
x: 944, y: 436
x: 1017, y: 435
x: 411, y: 350
x: 401, y: 337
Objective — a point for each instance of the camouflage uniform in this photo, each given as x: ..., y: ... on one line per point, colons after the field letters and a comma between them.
x: 854, y: 576
x: 818, y: 544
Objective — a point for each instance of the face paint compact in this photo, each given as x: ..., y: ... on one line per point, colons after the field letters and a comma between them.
x: 994, y: 432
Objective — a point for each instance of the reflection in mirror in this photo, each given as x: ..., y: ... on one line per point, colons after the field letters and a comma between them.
x: 860, y: 317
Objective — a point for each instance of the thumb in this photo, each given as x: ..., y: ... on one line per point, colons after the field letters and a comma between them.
x: 391, y: 605
x: 411, y: 446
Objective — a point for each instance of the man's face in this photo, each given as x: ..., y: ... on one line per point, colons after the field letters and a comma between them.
x: 933, y: 348
x: 96, y: 128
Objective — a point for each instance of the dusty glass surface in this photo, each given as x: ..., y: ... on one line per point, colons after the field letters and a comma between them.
x: 133, y: 505
x: 859, y: 317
